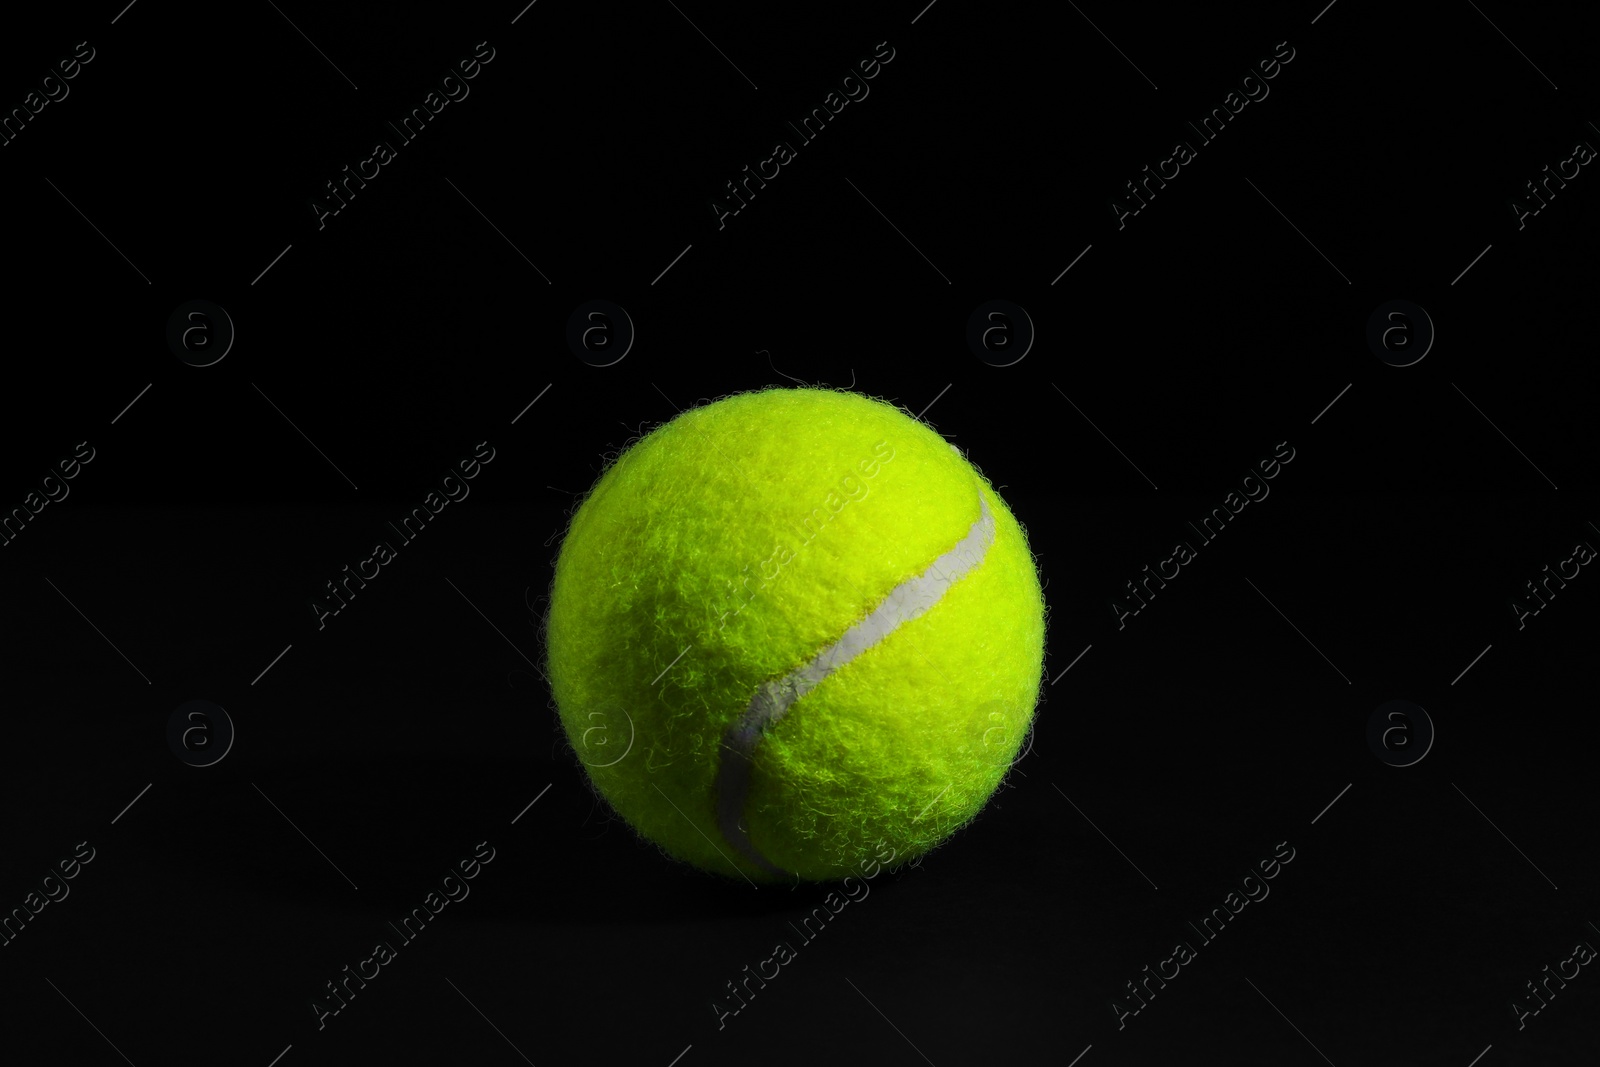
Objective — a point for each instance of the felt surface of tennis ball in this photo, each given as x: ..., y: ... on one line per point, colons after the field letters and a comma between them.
x: 787, y: 543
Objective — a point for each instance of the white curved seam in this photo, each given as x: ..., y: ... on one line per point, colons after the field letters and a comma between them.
x: 773, y: 699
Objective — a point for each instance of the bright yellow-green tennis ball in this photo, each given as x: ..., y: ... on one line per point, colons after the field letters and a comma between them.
x: 793, y: 633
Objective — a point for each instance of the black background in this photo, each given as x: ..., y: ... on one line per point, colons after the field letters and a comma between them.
x: 374, y: 352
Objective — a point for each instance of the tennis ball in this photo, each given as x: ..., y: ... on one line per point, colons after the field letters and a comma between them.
x: 793, y: 633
